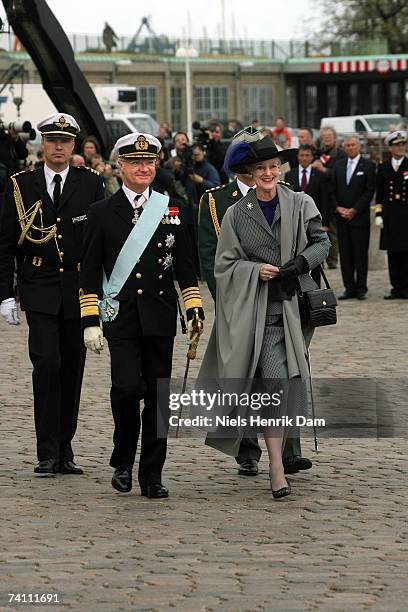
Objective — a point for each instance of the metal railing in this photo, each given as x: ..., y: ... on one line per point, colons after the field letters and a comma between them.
x: 280, y: 50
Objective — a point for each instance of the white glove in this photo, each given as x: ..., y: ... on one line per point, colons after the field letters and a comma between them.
x: 9, y: 311
x: 193, y: 335
x: 379, y: 222
x: 93, y: 339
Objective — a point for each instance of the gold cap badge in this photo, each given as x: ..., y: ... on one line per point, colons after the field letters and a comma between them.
x: 141, y: 143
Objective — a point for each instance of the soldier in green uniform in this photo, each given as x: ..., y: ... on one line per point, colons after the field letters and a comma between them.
x: 213, y: 206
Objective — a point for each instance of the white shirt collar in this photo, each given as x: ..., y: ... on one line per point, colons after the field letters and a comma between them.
x: 243, y: 188
x: 49, y: 175
x: 354, y: 161
x: 397, y: 162
x: 132, y: 194
x: 308, y: 171
x: 49, y: 179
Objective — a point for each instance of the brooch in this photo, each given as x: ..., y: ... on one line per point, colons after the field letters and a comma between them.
x: 250, y: 206
x: 170, y: 240
x: 168, y: 261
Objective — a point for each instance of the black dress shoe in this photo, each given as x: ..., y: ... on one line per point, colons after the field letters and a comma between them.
x: 122, y: 480
x: 69, y: 467
x: 48, y: 467
x: 249, y: 467
x: 347, y: 295
x: 155, y: 491
x: 295, y: 464
x: 361, y: 296
x: 394, y: 296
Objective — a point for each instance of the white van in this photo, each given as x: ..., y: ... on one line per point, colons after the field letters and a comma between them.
x: 380, y: 125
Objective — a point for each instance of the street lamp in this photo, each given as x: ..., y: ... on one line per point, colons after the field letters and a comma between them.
x: 188, y: 53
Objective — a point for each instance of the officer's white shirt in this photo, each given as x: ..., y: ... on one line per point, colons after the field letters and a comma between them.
x: 132, y: 194
x: 397, y: 162
x: 49, y: 179
x: 243, y: 188
x: 308, y: 173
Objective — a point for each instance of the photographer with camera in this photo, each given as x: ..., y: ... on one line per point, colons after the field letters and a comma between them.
x: 13, y: 150
x: 216, y: 149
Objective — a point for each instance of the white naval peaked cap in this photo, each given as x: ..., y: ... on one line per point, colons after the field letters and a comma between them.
x: 137, y: 145
x: 396, y: 137
x: 59, y: 124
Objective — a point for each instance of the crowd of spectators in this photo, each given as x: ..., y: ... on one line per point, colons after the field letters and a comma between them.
x: 185, y: 170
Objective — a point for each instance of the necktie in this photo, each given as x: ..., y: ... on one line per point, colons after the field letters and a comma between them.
x: 303, y: 183
x: 138, y: 208
x: 56, y: 194
x: 350, y: 168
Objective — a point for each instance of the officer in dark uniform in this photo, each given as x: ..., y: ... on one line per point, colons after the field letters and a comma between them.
x: 213, y: 206
x: 138, y: 305
x: 42, y: 220
x: 391, y: 212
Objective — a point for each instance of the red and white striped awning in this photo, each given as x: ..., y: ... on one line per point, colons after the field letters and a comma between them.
x: 365, y: 65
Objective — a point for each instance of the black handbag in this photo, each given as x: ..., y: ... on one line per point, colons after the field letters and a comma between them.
x: 318, y: 306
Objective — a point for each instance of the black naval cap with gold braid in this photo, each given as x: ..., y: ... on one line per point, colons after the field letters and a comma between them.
x: 137, y: 145
x: 59, y: 125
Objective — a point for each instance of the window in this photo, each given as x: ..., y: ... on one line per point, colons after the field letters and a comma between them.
x: 291, y: 111
x: 375, y: 105
x: 176, y: 109
x: 354, y: 105
x: 211, y: 103
x: 258, y: 104
x: 147, y: 101
x: 332, y: 100
x: 311, y: 114
x: 394, y: 105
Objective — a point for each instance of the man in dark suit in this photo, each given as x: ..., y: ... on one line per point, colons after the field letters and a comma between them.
x: 310, y: 180
x: 392, y: 213
x: 137, y: 239
x: 353, y: 186
x: 43, y: 216
x: 328, y: 155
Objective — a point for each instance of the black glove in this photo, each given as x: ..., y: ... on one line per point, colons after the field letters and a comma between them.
x: 289, y: 274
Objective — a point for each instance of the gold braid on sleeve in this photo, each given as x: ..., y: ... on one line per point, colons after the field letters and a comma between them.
x: 213, y: 211
x: 26, y: 219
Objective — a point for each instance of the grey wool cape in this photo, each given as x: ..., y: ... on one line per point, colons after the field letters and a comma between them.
x: 236, y: 339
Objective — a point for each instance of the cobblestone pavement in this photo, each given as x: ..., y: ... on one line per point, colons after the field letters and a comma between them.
x: 219, y: 542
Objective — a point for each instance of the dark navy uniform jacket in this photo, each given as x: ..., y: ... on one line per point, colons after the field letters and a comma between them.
x: 48, y: 275
x: 148, y: 299
x: 392, y: 205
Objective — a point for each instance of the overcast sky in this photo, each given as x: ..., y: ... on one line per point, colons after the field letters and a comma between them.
x: 254, y: 19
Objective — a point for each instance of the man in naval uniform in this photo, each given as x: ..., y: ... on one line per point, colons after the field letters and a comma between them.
x: 391, y: 211
x: 213, y: 206
x: 43, y: 215
x: 134, y: 240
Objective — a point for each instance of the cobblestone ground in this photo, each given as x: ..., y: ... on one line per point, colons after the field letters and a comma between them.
x: 219, y: 542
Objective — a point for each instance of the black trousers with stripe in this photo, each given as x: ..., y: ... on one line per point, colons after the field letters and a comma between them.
x: 57, y: 353
x: 136, y: 365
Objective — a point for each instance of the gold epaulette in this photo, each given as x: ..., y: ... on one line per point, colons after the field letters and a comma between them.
x: 285, y: 183
x: 217, y: 188
x: 88, y: 303
x: 191, y: 297
x: 22, y: 172
x: 87, y: 168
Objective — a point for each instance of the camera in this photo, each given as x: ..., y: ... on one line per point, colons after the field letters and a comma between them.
x: 22, y: 128
x: 201, y: 135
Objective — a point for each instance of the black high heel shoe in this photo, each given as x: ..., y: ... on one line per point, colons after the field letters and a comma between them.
x: 283, y: 492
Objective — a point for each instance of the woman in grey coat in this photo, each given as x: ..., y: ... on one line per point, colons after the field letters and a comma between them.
x: 269, y: 242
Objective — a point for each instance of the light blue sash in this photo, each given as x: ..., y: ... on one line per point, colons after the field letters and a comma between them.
x: 130, y: 252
